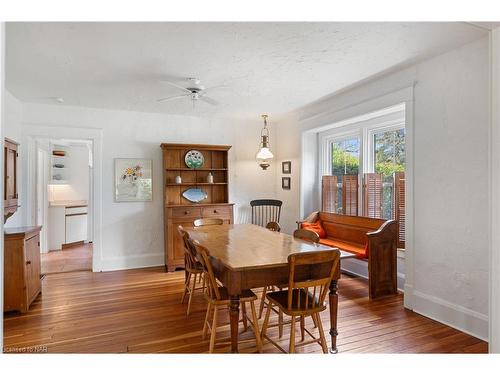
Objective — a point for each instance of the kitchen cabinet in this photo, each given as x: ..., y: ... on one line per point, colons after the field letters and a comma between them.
x: 67, y: 224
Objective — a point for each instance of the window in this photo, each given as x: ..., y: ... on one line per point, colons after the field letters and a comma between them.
x: 364, y: 168
x: 389, y: 158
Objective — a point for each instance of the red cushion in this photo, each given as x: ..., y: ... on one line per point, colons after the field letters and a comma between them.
x: 315, y: 227
x: 360, y: 250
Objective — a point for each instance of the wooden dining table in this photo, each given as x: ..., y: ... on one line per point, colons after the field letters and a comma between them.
x: 246, y: 256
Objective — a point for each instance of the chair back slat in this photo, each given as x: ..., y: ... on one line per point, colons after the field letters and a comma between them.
x: 319, y: 267
x: 207, y: 221
x: 306, y: 235
x: 265, y: 211
x: 204, y: 257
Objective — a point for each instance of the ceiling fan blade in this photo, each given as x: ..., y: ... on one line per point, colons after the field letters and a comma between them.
x: 175, y: 85
x: 216, y: 88
x: 208, y: 100
x: 162, y: 100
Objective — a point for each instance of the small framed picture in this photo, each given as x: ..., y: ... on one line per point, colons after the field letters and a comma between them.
x: 286, y: 167
x: 286, y: 183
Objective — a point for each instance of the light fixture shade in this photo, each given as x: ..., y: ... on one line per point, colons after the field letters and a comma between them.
x: 264, y: 156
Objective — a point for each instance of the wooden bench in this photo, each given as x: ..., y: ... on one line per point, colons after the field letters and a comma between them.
x: 372, y: 240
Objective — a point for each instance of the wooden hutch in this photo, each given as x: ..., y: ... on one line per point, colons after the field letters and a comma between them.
x: 180, y: 211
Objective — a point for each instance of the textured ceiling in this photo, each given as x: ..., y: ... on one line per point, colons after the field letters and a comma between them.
x: 267, y: 67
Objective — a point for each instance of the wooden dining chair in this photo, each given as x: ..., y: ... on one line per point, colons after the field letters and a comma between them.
x: 193, y: 269
x: 302, y: 234
x: 306, y: 235
x: 265, y: 210
x: 207, y: 221
x: 218, y: 298
x: 304, y: 298
x: 273, y: 226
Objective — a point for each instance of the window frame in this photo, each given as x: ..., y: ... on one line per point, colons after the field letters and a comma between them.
x: 370, y: 140
x: 393, y: 118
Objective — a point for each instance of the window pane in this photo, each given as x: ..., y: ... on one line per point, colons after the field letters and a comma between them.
x: 345, y: 161
x: 389, y: 158
x: 345, y: 157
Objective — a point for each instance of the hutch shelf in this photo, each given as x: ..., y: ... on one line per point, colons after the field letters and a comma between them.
x: 180, y: 211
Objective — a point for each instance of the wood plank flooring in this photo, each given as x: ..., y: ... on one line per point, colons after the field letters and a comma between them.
x: 75, y: 258
x: 139, y: 311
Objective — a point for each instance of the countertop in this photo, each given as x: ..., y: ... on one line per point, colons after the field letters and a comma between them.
x: 68, y: 204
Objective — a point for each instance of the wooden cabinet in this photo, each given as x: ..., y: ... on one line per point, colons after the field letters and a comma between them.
x: 22, y: 282
x: 175, y: 216
x: 10, y: 178
x: 179, y: 210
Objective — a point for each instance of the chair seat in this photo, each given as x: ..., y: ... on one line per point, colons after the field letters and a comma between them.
x: 246, y: 296
x: 355, y: 248
x: 280, y: 299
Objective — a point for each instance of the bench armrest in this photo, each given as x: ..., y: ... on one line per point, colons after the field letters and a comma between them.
x: 310, y: 219
x: 385, y: 229
x: 382, y: 248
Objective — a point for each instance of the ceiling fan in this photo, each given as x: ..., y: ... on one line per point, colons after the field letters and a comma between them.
x: 195, y: 91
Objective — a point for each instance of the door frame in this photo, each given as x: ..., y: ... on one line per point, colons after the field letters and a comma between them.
x: 31, y: 132
x: 42, y: 156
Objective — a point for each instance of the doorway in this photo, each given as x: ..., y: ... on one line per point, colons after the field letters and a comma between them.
x: 63, y: 196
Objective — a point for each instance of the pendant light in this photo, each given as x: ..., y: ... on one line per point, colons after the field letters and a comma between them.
x: 264, y: 156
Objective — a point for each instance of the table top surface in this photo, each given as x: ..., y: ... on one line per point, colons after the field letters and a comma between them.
x: 248, y: 246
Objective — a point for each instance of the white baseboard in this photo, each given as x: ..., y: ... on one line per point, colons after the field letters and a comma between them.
x: 132, y: 261
x: 456, y: 316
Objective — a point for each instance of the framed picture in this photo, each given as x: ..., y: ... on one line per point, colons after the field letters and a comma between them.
x: 133, y: 180
x: 286, y: 183
x: 286, y: 167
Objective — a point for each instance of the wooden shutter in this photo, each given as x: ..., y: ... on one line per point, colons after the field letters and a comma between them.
x: 399, y: 206
x: 372, y: 195
x: 329, y: 194
x: 350, y: 194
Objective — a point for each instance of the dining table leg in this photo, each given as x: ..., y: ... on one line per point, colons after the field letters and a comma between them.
x: 334, y: 304
x: 234, y: 316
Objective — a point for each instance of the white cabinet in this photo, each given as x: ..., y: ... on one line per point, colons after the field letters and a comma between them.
x: 76, y: 227
x: 67, y: 224
x: 56, y: 227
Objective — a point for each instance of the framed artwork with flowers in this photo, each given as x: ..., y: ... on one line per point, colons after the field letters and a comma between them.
x: 133, y: 180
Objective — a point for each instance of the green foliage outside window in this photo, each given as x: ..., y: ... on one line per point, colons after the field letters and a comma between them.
x: 345, y: 158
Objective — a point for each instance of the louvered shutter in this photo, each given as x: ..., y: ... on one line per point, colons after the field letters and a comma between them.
x: 372, y: 195
x: 329, y: 194
x: 399, y: 206
x: 350, y: 194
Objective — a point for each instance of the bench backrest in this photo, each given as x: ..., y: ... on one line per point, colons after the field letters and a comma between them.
x: 349, y: 228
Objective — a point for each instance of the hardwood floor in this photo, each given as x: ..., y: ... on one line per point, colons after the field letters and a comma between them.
x: 76, y: 258
x: 139, y: 311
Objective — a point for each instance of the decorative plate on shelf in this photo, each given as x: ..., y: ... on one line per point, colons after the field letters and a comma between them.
x: 194, y: 159
x: 194, y: 195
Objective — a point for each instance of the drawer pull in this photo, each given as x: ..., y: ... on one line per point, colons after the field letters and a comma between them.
x: 28, y: 262
x: 186, y: 212
x: 215, y: 212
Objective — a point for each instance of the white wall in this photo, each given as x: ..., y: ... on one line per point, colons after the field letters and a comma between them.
x: 494, y: 343
x: 451, y: 122
x: 12, y: 130
x: 2, y: 125
x: 133, y: 232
